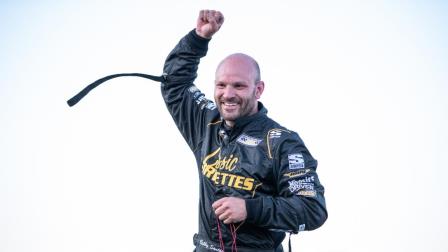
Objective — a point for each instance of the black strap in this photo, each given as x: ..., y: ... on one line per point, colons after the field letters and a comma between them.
x: 75, y: 99
x: 289, y: 243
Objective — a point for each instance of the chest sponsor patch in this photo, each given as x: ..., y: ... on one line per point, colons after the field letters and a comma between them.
x: 248, y: 140
x: 222, y: 171
x: 275, y: 133
x: 296, y: 161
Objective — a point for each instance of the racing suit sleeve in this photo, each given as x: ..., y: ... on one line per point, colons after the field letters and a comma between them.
x: 299, y: 204
x: 186, y: 104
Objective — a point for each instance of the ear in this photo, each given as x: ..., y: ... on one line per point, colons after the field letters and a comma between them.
x: 259, y: 88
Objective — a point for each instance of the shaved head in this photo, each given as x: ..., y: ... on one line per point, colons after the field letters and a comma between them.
x: 242, y: 60
x: 237, y: 87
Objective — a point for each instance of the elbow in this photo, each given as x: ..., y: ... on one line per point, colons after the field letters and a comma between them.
x: 315, y: 215
x: 318, y: 219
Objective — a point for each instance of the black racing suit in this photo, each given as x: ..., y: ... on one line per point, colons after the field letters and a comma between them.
x: 257, y: 160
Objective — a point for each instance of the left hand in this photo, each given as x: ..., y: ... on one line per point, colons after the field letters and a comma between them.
x: 208, y: 23
x: 230, y: 209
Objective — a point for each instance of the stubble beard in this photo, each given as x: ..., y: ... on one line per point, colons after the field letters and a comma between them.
x: 245, y: 108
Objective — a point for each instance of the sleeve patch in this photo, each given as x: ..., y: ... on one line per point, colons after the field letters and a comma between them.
x: 306, y: 183
x: 296, y: 161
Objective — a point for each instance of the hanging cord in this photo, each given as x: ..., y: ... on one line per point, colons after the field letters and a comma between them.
x: 221, y: 240
x: 233, y: 231
x: 289, y: 243
x: 75, y: 99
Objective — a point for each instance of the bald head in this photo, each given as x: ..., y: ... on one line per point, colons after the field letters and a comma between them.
x: 237, y: 87
x: 242, y: 62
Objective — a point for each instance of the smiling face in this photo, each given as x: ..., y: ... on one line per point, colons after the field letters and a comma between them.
x: 237, y: 87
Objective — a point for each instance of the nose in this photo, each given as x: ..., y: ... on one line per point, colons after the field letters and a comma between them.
x: 228, y: 92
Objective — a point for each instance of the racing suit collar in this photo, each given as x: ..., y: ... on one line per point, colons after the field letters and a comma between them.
x: 241, y: 122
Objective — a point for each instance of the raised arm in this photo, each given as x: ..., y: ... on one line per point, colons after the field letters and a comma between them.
x: 186, y: 104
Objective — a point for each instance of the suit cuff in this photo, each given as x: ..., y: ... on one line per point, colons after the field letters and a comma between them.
x: 197, y: 41
x: 253, y: 209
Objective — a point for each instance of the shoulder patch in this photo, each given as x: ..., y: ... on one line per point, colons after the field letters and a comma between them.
x: 271, y: 138
x: 296, y: 161
x: 275, y: 133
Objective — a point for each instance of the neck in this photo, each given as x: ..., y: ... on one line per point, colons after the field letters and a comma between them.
x: 229, y: 124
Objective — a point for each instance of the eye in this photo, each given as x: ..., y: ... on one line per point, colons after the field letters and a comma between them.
x: 220, y: 85
x: 239, y: 86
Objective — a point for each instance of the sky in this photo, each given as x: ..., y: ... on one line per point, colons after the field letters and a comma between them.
x: 364, y: 83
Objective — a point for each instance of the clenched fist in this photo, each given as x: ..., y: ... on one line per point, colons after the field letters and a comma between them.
x: 209, y: 22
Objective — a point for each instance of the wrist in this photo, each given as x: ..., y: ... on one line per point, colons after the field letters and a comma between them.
x: 197, y: 42
x: 202, y: 34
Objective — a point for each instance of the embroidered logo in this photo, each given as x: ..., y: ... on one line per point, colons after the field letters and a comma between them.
x: 307, y: 193
x: 221, y: 171
x: 296, y: 161
x: 299, y: 173
x: 301, y: 184
x: 248, y: 140
x: 275, y: 133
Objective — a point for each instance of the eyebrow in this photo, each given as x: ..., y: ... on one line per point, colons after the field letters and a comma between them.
x: 232, y: 83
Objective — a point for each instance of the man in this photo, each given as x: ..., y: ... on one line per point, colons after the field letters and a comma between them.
x: 257, y: 178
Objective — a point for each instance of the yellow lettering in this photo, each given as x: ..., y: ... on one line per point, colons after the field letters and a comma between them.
x: 224, y: 176
x: 238, y: 182
x: 226, y: 164
x: 232, y: 178
x: 219, y: 164
x: 209, y: 156
x: 248, y: 184
x: 209, y: 171
x: 215, y: 177
x: 232, y: 164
